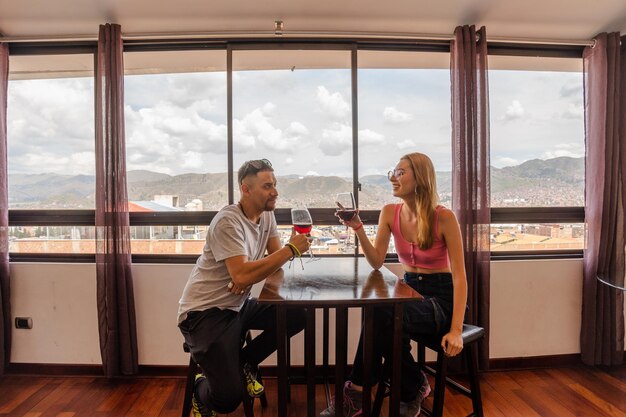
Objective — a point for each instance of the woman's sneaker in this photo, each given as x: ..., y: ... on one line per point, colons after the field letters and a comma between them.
x: 352, y: 403
x: 197, y: 407
x: 413, y: 408
x: 254, y: 388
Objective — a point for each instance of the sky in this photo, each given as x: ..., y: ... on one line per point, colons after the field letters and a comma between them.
x: 301, y: 120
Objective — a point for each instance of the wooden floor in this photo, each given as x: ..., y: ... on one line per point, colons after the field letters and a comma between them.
x: 563, y: 392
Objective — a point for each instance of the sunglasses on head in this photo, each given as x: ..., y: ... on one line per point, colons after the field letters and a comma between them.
x: 259, y: 164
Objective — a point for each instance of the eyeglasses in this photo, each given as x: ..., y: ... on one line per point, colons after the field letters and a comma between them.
x: 398, y: 172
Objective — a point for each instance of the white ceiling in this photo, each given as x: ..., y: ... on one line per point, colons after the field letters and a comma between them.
x: 574, y: 20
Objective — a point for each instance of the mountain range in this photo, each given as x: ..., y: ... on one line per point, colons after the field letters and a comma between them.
x: 557, y: 181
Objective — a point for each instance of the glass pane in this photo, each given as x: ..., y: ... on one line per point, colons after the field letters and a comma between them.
x: 50, y: 134
x: 537, y: 132
x: 168, y: 240
x: 404, y: 107
x: 326, y: 239
x: 176, y: 132
x: 294, y: 108
x: 527, y: 237
x: 52, y: 239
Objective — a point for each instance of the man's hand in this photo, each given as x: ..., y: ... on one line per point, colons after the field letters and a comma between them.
x: 233, y: 288
x: 301, y: 242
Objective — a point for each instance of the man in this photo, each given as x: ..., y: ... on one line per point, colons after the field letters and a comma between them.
x: 215, y: 310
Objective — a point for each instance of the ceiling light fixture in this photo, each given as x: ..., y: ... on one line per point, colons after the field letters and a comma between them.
x: 278, y: 27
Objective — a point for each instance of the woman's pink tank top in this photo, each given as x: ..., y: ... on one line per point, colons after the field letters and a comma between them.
x: 435, y: 257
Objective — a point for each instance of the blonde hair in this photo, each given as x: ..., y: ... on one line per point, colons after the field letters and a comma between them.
x: 426, y: 196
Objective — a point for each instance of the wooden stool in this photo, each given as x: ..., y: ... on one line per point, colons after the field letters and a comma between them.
x: 471, y: 335
x: 248, y: 402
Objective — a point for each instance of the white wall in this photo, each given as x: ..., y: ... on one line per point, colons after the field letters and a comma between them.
x: 61, y: 299
x: 535, y: 310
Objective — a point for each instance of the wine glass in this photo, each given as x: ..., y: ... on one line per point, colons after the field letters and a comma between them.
x: 346, y: 209
x: 302, y: 223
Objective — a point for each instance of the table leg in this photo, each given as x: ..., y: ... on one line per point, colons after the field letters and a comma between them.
x: 325, y: 333
x: 341, y: 354
x: 281, y: 353
x: 368, y: 330
x: 396, y: 362
x: 309, y: 357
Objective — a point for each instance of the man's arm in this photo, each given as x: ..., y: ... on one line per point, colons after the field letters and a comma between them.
x: 245, y: 273
x: 273, y: 245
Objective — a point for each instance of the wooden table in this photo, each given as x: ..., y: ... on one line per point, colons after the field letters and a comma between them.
x: 338, y: 283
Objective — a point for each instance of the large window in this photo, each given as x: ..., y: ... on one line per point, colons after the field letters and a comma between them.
x: 294, y: 108
x: 176, y: 143
x: 537, y: 148
x: 298, y: 106
x: 50, y: 133
x: 50, y: 143
x: 404, y: 107
x: 176, y: 134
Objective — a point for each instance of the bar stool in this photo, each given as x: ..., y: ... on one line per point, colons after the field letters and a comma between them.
x: 248, y: 402
x: 471, y: 335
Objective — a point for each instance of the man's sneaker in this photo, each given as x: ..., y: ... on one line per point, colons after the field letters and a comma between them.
x: 352, y: 403
x: 413, y: 408
x: 255, y: 389
x: 199, y: 409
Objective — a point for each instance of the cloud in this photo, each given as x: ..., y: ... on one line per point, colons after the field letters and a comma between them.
x: 574, y: 111
x: 561, y: 152
x: 51, y: 126
x: 369, y: 137
x: 167, y: 137
x: 504, y: 161
x: 257, y: 128
x: 572, y: 89
x: 393, y: 115
x: 565, y: 149
x: 333, y: 104
x: 336, y: 140
x: 406, y: 144
x: 514, y: 111
x: 182, y: 90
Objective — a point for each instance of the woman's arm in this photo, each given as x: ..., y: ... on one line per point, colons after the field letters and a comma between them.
x: 452, y: 342
x: 375, y: 254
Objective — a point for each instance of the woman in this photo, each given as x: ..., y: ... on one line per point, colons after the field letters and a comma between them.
x: 428, y: 242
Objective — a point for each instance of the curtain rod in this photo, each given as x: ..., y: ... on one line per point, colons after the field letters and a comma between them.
x: 278, y: 34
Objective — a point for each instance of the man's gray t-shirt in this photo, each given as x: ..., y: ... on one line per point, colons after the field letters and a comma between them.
x: 230, y: 234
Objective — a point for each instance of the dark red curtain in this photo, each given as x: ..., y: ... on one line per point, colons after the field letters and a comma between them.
x: 5, y: 282
x: 602, y: 330
x: 470, y: 169
x: 116, y: 304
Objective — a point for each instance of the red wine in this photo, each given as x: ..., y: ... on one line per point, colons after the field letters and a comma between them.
x: 303, y: 228
x: 346, y: 215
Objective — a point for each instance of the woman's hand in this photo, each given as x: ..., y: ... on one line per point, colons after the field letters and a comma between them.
x: 355, y: 221
x: 452, y: 343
